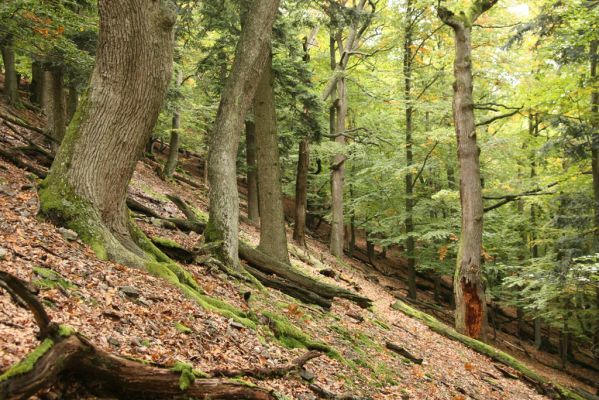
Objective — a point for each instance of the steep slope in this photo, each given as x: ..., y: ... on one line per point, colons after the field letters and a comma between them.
x: 133, y: 313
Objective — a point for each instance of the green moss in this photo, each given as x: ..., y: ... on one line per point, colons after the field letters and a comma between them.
x: 65, y: 330
x: 292, y: 337
x: 182, y: 328
x: 483, y: 348
x: 165, y: 242
x: 381, y: 324
x: 241, y: 381
x: 50, y: 279
x: 187, y: 377
x: 28, y: 362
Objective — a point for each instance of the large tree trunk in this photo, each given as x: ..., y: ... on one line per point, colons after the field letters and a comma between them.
x: 10, y: 73
x: 595, y: 168
x: 54, y: 104
x: 469, y: 290
x: 409, y: 179
x: 72, y: 102
x: 252, y: 176
x: 250, y: 58
x: 301, y: 192
x: 86, y: 187
x: 173, y: 149
x: 338, y: 175
x: 273, y: 237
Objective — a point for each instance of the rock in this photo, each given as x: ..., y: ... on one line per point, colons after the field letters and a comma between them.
x: 328, y: 272
x: 129, y: 291
x: 3, y: 253
x: 68, y: 234
x: 306, y: 375
x: 236, y: 324
x: 135, y: 341
x: 114, y: 341
x: 27, y: 186
x: 5, y: 189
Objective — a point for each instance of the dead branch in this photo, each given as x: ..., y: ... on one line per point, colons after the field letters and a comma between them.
x: 269, y: 373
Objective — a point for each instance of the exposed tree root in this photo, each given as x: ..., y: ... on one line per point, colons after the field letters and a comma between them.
x: 64, y: 353
x: 542, y: 385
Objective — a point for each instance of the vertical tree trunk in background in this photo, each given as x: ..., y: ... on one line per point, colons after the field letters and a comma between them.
x: 173, y: 150
x: 251, y: 56
x: 469, y: 290
x: 252, y: 176
x: 10, y: 73
x: 273, y: 237
x: 301, y: 192
x: 595, y: 168
x: 72, y: 102
x: 37, y: 82
x: 338, y: 174
x: 86, y: 187
x: 409, y: 111
x: 54, y: 103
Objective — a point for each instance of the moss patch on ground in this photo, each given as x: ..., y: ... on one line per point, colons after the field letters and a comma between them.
x: 292, y: 337
x: 28, y: 362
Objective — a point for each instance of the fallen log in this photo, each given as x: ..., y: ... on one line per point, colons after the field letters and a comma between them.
x: 136, y: 206
x: 403, y: 352
x: 542, y: 385
x: 14, y: 159
x: 269, y: 373
x: 66, y: 354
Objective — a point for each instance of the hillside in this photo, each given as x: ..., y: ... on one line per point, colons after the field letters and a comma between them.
x: 134, y: 314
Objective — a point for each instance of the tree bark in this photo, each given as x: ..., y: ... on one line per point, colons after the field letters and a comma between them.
x: 250, y: 58
x: 37, y: 82
x: 338, y: 174
x: 72, y: 103
x: 252, y: 176
x: 10, y: 73
x: 273, y: 237
x: 409, y: 179
x: 173, y: 150
x: 595, y: 172
x: 86, y: 187
x: 469, y: 290
x: 301, y: 192
x: 54, y: 104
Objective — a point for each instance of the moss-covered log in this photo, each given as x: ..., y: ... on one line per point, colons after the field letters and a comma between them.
x: 541, y: 384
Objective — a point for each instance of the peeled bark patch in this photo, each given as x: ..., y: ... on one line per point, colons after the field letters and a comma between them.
x: 474, y: 309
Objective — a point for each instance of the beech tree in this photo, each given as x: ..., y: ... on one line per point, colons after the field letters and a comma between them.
x: 251, y: 56
x: 10, y: 73
x: 469, y: 289
x: 86, y: 187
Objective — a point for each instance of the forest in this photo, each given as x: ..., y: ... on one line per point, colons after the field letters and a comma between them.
x: 299, y: 199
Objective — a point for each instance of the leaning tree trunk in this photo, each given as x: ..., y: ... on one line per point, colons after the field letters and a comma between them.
x: 469, y: 289
x: 250, y: 58
x: 173, y: 145
x: 252, y: 176
x: 54, y: 104
x: 273, y: 237
x: 10, y: 73
x: 86, y: 187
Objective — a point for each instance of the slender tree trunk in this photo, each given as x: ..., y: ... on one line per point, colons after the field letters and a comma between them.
x: 338, y: 175
x: 10, y: 73
x: 173, y: 150
x: 469, y: 290
x: 251, y: 56
x: 595, y: 171
x: 409, y: 179
x: 37, y: 82
x: 538, y: 334
x: 86, y: 187
x: 252, y: 176
x: 72, y: 102
x: 273, y: 237
x: 301, y: 192
x: 54, y: 104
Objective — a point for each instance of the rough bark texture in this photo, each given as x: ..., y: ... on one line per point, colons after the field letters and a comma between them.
x: 469, y: 291
x: 54, y: 104
x: 301, y: 192
x: 87, y: 184
x: 250, y: 58
x: 595, y: 170
x: 173, y: 145
x: 252, y: 176
x: 10, y: 73
x: 72, y: 103
x: 273, y: 237
x: 37, y: 82
x: 338, y: 174
x: 409, y: 179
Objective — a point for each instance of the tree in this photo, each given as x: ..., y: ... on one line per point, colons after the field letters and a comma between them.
x: 10, y: 73
x: 173, y: 151
x: 469, y: 289
x: 273, y: 238
x: 86, y: 187
x: 252, y: 176
x: 251, y: 55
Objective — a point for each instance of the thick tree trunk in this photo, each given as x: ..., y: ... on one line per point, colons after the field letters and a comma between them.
x: 338, y: 175
x: 72, y: 103
x: 595, y: 171
x: 251, y: 56
x: 86, y: 187
x: 37, y: 82
x: 273, y: 237
x: 252, y: 176
x: 54, y: 104
x: 469, y: 290
x: 301, y: 192
x: 409, y: 179
x: 10, y: 73
x: 173, y: 149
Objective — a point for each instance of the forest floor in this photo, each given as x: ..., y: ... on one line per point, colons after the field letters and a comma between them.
x: 132, y: 313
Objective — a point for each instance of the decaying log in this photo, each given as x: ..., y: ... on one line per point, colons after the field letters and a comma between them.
x: 268, y: 373
x: 403, y: 352
x: 104, y: 374
x: 188, y: 181
x: 13, y: 158
x: 136, y: 206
